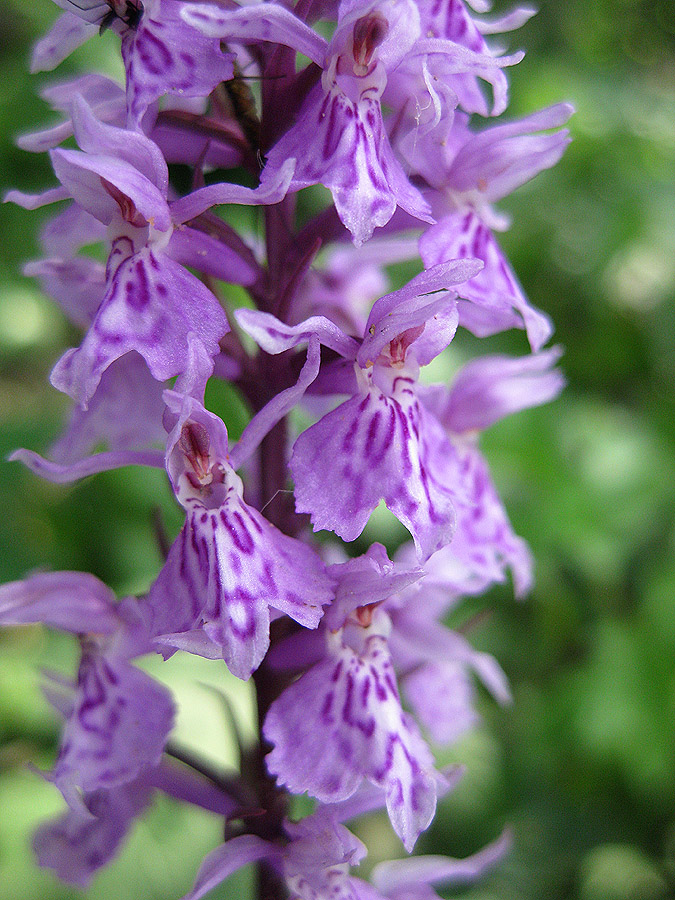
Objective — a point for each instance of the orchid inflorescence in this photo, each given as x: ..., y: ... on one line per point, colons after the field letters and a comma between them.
x: 259, y: 104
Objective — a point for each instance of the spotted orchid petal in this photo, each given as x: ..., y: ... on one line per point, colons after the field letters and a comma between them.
x: 510, y: 21
x: 315, y: 861
x: 365, y: 580
x: 225, y: 569
x: 492, y: 300
x: 417, y: 637
x: 117, y: 717
x: 35, y: 201
x: 343, y: 145
x: 339, y: 138
x: 118, y: 727
x: 101, y: 94
x: 319, y: 855
x: 277, y: 408
x: 98, y: 138
x: 64, y: 473
x: 261, y: 22
x: 77, y: 284
x: 449, y: 25
x: 111, y: 190
x: 484, y: 541
x: 229, y: 564
x: 275, y: 336
x: 207, y: 254
x: 494, y: 162
x: 226, y: 859
x: 485, y: 390
x: 342, y: 722
x: 163, y: 55
x: 125, y: 413
x: 75, y: 846
x: 150, y: 306
x: 443, y: 698
x: 370, y: 448
x: 484, y: 545
x: 349, y: 281
x: 407, y: 310
x: 412, y: 879
x: 492, y: 387
x: 270, y: 191
x: 66, y: 232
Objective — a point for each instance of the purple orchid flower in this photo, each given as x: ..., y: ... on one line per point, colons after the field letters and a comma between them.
x: 341, y: 128
x: 121, y: 180
x: 381, y: 115
x: 483, y: 392
x: 341, y: 722
x: 229, y: 565
x: 75, y: 845
x: 315, y: 863
x: 469, y: 172
x: 125, y: 413
x: 151, y: 303
x: 340, y: 138
x: 413, y: 879
x: 78, y: 843
x: 452, y: 21
x: 119, y: 718
x: 349, y: 280
x: 380, y: 444
x: 104, y: 97
x: 218, y: 145
x: 435, y: 665
x: 161, y: 54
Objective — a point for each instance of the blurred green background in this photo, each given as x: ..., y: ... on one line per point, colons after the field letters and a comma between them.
x: 583, y: 764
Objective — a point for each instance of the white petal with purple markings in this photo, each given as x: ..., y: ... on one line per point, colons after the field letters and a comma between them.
x: 375, y: 447
x: 118, y: 727
x: 342, y: 722
x: 151, y: 305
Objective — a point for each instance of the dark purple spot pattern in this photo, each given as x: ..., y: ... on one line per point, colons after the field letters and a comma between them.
x: 165, y: 55
x: 343, y: 144
x: 344, y: 716
x: 377, y: 448
x: 225, y: 571
x: 150, y: 305
x: 120, y: 721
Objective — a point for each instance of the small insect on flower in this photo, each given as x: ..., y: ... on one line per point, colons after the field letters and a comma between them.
x: 104, y: 12
x: 243, y: 104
